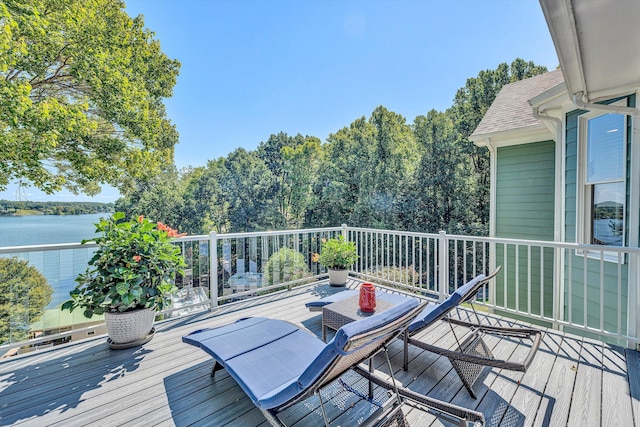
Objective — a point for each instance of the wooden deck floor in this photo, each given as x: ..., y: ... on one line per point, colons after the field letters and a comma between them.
x: 572, y: 381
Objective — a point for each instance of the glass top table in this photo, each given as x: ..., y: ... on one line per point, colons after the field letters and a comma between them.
x: 340, y: 313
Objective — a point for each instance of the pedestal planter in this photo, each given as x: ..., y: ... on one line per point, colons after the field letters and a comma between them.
x: 130, y: 328
x: 338, y: 277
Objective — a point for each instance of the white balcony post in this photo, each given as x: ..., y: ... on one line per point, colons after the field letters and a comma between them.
x: 558, y: 287
x: 633, y: 304
x: 443, y: 266
x: 213, y: 269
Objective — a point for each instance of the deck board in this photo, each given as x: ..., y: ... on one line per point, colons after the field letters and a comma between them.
x: 587, y: 393
x: 530, y: 399
x: 166, y: 382
x: 616, y: 406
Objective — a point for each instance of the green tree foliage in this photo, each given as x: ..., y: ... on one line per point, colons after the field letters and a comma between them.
x: 300, y: 173
x: 377, y: 172
x: 11, y: 207
x: 293, y: 163
x: 434, y: 199
x: 250, y: 190
x: 345, y: 176
x: 81, y: 96
x: 24, y: 294
x: 160, y: 197
x: 395, y: 159
x: 367, y: 165
x: 205, y: 207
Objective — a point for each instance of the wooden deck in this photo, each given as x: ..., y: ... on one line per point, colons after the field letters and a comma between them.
x: 572, y: 381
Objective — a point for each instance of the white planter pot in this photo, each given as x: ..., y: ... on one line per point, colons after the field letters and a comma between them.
x: 130, y: 328
x: 338, y: 277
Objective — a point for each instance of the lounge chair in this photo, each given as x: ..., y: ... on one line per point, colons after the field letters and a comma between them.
x: 278, y: 364
x: 472, y: 354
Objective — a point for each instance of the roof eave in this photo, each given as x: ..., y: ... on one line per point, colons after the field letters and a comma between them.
x: 596, y: 43
x: 519, y: 136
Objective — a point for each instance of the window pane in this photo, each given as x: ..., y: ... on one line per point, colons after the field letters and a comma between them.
x: 608, y: 214
x: 605, y: 152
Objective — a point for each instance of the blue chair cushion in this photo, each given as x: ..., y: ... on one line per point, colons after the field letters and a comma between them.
x: 435, y: 311
x: 338, y: 296
x: 335, y: 347
x: 265, y: 356
x: 274, y: 361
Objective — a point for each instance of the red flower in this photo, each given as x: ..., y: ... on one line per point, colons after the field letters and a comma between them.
x: 137, y: 258
x: 140, y: 218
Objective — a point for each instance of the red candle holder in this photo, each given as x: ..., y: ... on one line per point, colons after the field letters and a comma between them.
x: 367, y: 297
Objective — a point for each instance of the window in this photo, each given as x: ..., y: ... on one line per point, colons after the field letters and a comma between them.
x: 604, y: 180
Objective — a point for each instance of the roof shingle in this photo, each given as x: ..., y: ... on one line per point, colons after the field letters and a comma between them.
x: 511, y: 110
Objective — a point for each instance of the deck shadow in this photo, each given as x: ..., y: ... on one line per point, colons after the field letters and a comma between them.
x: 24, y: 394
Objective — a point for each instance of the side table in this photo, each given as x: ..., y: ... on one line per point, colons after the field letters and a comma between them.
x: 338, y: 314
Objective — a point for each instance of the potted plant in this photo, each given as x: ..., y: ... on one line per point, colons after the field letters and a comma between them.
x: 337, y: 255
x: 130, y: 277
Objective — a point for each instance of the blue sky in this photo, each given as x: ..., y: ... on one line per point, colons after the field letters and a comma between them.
x: 255, y: 68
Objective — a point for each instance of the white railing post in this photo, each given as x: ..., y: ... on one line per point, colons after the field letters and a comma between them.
x: 558, y: 286
x: 493, y: 264
x: 213, y: 269
x: 633, y: 303
x: 443, y: 265
x: 345, y: 234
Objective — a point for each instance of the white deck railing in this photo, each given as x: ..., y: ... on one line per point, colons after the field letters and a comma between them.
x: 590, y: 289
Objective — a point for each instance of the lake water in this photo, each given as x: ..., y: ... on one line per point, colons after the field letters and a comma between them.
x: 59, y: 267
x: 47, y: 229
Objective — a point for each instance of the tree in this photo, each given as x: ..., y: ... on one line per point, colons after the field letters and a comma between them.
x: 395, y: 159
x: 300, y: 172
x: 436, y: 198
x: 24, y: 294
x: 206, y: 207
x: 368, y: 164
x: 293, y: 163
x: 81, y: 96
x: 249, y: 189
x: 346, y: 174
x: 160, y: 197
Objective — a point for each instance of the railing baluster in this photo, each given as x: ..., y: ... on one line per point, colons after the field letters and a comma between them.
x: 529, y: 296
x: 395, y: 258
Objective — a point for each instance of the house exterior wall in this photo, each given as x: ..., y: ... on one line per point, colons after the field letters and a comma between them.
x: 525, y: 192
x: 580, y: 268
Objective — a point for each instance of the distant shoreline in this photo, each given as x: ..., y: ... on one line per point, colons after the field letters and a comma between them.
x: 10, y: 208
x: 37, y: 213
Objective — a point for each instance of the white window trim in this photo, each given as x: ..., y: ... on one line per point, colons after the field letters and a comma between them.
x: 583, y: 199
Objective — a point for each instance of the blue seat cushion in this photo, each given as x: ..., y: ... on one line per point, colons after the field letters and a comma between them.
x: 265, y: 356
x: 274, y: 361
x: 336, y: 346
x: 338, y: 296
x: 435, y: 311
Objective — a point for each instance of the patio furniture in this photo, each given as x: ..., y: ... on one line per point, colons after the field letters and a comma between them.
x: 472, y: 354
x: 277, y: 364
x: 347, y: 310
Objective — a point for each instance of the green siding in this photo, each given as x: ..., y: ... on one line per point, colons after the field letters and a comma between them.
x: 580, y: 268
x: 525, y: 188
x: 525, y: 191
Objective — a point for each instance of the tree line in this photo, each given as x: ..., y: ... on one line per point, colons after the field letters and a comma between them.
x: 379, y: 171
x: 9, y: 207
